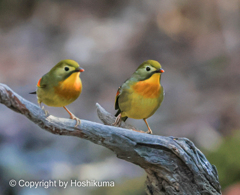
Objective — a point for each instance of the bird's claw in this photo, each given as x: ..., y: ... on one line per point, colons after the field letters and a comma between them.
x: 45, y: 111
x: 117, y: 121
x: 140, y: 131
x: 149, y: 132
x: 76, y: 119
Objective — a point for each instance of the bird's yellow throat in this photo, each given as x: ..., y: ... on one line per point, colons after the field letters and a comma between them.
x: 70, y: 87
x: 149, y: 88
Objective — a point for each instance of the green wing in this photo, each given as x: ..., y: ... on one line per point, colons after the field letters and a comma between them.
x: 119, y: 93
x: 42, y: 83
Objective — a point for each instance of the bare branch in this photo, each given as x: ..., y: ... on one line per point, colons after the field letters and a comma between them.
x: 109, y: 119
x: 173, y: 165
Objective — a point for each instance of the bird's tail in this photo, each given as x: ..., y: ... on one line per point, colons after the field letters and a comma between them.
x: 34, y: 92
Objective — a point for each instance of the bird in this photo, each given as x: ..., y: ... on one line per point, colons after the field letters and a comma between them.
x: 60, y: 86
x: 141, y: 95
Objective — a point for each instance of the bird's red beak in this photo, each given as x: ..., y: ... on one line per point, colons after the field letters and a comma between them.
x: 160, y: 70
x: 81, y: 70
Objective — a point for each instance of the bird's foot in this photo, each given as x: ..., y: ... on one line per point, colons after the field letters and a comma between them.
x: 45, y: 111
x: 140, y: 131
x: 117, y: 121
x: 137, y: 130
x: 72, y: 116
x: 149, y: 131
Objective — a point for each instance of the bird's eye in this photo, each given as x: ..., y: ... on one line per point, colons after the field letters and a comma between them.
x: 66, y: 68
x: 148, y: 68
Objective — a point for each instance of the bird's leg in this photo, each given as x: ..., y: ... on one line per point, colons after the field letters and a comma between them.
x: 149, y: 129
x: 117, y: 121
x: 72, y: 116
x: 42, y: 107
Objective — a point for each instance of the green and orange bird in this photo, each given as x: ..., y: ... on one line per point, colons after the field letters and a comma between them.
x: 60, y: 86
x: 141, y: 95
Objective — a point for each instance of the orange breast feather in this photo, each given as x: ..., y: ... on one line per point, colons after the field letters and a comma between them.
x: 149, y: 88
x: 69, y: 88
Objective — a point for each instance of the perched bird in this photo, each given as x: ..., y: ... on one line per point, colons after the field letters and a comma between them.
x: 60, y: 86
x: 141, y: 95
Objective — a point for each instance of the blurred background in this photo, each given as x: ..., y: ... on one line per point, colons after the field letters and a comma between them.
x: 198, y: 45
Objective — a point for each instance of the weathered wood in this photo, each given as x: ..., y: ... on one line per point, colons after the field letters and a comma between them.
x: 173, y: 165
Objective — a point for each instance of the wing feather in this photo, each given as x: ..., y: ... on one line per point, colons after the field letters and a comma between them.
x: 42, y: 83
x: 116, y: 98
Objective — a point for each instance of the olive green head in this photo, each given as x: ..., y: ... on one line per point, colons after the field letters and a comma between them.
x: 147, y: 69
x: 64, y: 69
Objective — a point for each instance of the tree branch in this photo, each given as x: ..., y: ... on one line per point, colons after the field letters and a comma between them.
x: 173, y: 165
